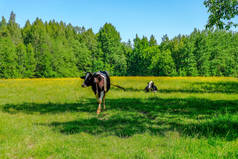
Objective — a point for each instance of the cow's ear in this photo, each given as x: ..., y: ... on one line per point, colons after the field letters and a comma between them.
x: 82, y: 77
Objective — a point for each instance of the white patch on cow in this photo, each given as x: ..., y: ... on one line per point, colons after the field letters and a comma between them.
x: 150, y: 84
x: 86, y: 76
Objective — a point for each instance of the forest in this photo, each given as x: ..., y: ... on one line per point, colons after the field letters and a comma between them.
x: 56, y: 49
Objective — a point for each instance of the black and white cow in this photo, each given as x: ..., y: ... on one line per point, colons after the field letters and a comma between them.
x: 100, y: 82
x: 151, y: 87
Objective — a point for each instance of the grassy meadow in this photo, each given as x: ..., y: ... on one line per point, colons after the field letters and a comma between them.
x: 189, y: 117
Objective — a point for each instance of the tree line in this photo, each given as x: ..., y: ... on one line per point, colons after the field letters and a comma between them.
x: 56, y: 49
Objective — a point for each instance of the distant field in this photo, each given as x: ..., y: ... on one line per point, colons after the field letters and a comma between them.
x: 189, y: 117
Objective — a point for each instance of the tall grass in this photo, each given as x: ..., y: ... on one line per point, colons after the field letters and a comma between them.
x: 189, y: 117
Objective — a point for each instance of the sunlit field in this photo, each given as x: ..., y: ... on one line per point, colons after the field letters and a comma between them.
x: 189, y: 117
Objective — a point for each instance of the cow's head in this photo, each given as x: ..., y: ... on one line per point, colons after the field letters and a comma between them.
x: 150, y: 84
x: 88, y: 79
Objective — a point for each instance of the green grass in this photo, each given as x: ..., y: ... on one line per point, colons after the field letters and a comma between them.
x: 192, y: 117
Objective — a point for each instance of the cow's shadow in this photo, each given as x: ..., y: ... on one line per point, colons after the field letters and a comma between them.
x: 128, y: 116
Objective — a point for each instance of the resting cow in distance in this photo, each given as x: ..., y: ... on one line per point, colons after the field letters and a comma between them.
x: 151, y: 87
x: 100, y: 83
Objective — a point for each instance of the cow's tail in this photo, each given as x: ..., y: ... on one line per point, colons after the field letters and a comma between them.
x: 118, y: 86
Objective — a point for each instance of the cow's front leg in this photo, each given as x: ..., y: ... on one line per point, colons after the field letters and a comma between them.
x: 104, y: 104
x: 97, y: 98
x: 100, y: 101
x: 99, y: 106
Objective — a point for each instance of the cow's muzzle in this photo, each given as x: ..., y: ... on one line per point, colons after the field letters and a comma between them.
x: 84, y: 85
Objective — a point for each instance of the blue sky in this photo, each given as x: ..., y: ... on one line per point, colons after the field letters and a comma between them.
x: 130, y: 17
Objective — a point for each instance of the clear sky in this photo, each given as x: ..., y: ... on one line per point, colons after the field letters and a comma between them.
x: 130, y: 17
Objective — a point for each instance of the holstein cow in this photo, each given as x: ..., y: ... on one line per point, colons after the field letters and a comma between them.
x: 151, y: 87
x: 100, y: 83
